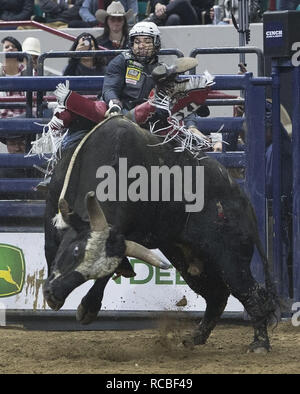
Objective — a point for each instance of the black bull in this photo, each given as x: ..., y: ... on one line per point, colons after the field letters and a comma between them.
x: 212, y: 248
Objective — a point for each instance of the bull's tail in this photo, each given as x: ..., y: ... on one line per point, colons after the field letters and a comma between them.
x: 270, y: 285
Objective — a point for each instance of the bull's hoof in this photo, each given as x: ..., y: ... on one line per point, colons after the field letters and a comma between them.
x: 197, y: 338
x: 83, y: 316
x: 259, y: 347
x: 188, y: 343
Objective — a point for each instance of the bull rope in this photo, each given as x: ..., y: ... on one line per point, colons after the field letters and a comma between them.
x: 74, y: 156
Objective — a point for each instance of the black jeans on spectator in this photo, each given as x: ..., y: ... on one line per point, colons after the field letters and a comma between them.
x: 181, y: 12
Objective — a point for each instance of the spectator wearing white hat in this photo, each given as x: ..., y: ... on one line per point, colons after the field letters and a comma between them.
x: 32, y: 46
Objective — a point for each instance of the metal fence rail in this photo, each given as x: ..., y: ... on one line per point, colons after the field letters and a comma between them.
x: 232, y: 50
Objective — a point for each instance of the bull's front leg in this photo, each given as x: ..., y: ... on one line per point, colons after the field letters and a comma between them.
x: 91, y: 303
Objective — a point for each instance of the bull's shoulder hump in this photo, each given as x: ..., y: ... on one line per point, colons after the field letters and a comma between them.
x: 121, y: 123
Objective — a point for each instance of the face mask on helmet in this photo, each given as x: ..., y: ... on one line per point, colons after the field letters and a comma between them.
x: 143, y: 49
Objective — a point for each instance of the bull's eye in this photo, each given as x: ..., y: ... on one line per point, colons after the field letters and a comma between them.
x: 76, y: 251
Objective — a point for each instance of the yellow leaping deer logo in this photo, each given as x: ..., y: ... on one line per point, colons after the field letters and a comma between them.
x: 6, y: 275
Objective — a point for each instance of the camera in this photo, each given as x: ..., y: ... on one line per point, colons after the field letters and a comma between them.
x: 88, y: 42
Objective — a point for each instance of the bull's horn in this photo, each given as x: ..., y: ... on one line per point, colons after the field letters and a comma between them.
x: 64, y: 210
x: 138, y: 251
x: 97, y: 218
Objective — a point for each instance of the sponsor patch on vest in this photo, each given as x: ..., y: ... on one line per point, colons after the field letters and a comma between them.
x: 133, y: 75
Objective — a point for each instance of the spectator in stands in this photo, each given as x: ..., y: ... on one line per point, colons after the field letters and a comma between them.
x: 12, y: 67
x: 231, y: 7
x: 14, y: 143
x: 32, y: 46
x: 16, y: 10
x: 115, y: 21
x: 131, y: 5
x: 60, y: 11
x: 89, y: 8
x: 180, y: 12
x: 228, y: 8
x: 85, y: 65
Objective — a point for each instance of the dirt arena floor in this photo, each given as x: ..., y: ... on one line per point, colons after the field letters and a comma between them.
x: 147, y: 351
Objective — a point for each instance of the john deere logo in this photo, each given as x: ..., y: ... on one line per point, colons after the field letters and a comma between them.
x: 12, y: 270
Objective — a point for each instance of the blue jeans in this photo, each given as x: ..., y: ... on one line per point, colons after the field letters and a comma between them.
x: 287, y: 4
x: 73, y: 139
x: 133, y: 4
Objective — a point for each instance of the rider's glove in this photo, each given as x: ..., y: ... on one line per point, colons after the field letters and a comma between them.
x: 62, y: 92
x: 114, y: 107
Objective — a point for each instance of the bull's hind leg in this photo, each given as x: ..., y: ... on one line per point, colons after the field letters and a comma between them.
x: 259, y: 304
x: 216, y: 294
x: 260, y: 307
x: 210, y: 287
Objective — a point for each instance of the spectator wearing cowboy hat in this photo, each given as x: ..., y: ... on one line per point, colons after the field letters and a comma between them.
x: 89, y: 8
x: 115, y: 21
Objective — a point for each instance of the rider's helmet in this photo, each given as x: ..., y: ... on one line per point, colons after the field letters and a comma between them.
x: 148, y: 29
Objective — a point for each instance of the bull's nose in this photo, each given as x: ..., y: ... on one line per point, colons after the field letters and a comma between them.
x: 57, y: 290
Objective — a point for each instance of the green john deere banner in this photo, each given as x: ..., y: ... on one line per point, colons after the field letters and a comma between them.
x: 12, y: 270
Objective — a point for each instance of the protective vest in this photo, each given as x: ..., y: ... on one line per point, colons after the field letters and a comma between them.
x: 128, y: 81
